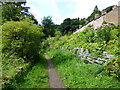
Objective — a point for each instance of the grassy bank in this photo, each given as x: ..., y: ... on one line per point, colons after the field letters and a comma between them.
x: 77, y: 75
x: 104, y: 39
x: 34, y: 76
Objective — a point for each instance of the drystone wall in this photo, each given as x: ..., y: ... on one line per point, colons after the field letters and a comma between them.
x: 84, y: 54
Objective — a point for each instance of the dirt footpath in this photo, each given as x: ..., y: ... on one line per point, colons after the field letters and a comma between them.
x: 54, y: 80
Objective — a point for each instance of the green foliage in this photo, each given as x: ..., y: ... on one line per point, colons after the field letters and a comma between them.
x: 82, y: 21
x: 105, y: 38
x: 58, y: 33
x: 22, y: 39
x: 96, y: 53
x: 34, y: 76
x: 49, y: 26
x: 62, y: 56
x: 95, y: 11
x: 65, y: 27
x: 108, y: 9
x: 113, y: 45
x: 115, y: 34
x: 103, y: 34
x: 69, y: 26
x: 99, y: 70
x: 104, y: 22
x: 12, y: 11
x: 113, y: 67
x: 89, y: 36
x: 74, y: 74
x: 85, y: 61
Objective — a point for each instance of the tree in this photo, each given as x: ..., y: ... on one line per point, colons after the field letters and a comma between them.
x: 69, y: 26
x: 96, y: 8
x: 65, y: 27
x: 95, y: 11
x: 82, y: 22
x: 49, y: 26
x: 108, y: 9
x: 31, y: 17
x: 22, y: 39
x: 12, y: 11
x: 75, y: 24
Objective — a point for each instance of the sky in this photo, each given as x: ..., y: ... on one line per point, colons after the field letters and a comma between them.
x: 62, y: 9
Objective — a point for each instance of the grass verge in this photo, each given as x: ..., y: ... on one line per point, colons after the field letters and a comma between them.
x: 77, y: 75
x: 36, y: 76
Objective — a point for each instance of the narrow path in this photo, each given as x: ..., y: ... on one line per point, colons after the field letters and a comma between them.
x: 54, y: 80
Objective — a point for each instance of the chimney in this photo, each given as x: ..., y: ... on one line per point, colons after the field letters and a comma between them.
x: 114, y: 7
x: 104, y: 12
x: 97, y: 16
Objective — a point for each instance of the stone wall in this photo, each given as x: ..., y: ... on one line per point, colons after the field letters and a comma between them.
x: 84, y: 27
x: 98, y: 22
x: 119, y: 15
x: 85, y: 54
x: 111, y: 17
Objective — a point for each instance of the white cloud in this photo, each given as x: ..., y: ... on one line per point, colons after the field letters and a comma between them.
x: 85, y: 7
x: 48, y: 5
x: 34, y: 11
x: 55, y: 12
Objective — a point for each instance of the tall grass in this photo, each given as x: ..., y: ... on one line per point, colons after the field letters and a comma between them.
x: 35, y: 76
x: 77, y: 75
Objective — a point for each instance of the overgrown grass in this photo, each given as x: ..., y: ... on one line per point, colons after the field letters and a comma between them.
x: 96, y: 41
x: 35, y: 76
x: 88, y: 39
x: 77, y: 75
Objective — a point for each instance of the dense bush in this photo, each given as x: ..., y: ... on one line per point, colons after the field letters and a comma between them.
x: 115, y: 34
x: 60, y: 56
x: 103, y: 34
x: 113, y: 68
x: 89, y: 36
x: 22, y: 39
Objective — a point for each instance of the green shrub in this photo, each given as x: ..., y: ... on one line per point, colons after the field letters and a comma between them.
x: 113, y: 67
x: 89, y: 36
x: 22, y: 39
x: 113, y: 47
x: 103, y: 34
x: 104, y: 23
x: 85, y: 61
x: 60, y: 56
x: 115, y: 34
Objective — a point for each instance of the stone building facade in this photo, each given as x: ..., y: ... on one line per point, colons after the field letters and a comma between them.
x: 111, y: 17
